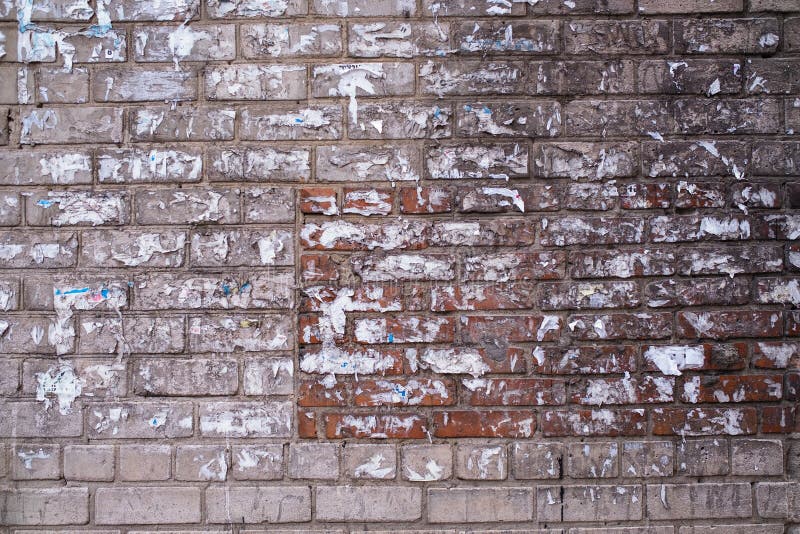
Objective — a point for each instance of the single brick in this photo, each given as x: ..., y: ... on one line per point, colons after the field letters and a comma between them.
x: 222, y: 9
x: 426, y: 463
x: 593, y: 460
x: 144, y: 462
x: 166, y: 10
x: 398, y: 39
x: 184, y: 123
x: 537, y: 460
x: 647, y: 459
x: 86, y: 125
x: 368, y: 503
x: 689, y: 6
x: 481, y: 462
x: 146, y: 506
x: 94, y: 463
x: 128, y: 85
x: 757, y: 457
x: 201, y: 462
x: 479, y: 505
x: 589, y: 503
x: 595, y: 423
x: 727, y: 36
x: 257, y: 504
x: 31, y: 419
x: 45, y: 506
x: 290, y: 123
x: 198, y: 42
x: 246, y: 419
x: 687, y: 501
x: 401, y: 120
x: 255, y: 82
x: 703, y: 457
x: 149, y: 420
x: 704, y: 421
x: 318, y: 461
x: 257, y: 462
x: 36, y: 462
x: 370, y: 462
x: 183, y: 377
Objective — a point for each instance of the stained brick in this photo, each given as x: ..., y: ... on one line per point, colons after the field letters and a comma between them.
x: 270, y: 253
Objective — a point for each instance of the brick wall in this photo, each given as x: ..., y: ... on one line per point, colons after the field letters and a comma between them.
x: 400, y: 265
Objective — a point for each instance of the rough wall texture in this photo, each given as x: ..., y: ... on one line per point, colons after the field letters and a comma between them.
x: 400, y: 265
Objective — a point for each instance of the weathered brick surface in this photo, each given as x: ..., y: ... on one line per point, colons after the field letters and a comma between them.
x: 400, y: 265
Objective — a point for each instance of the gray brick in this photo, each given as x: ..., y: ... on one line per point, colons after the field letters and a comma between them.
x: 589, y: 503
x: 94, y: 463
x: 36, y: 462
x: 479, y: 505
x: 290, y: 40
x: 45, y: 506
x: 699, y: 501
x: 757, y: 457
x: 194, y: 42
x: 126, y: 85
x: 71, y: 125
x: 146, y: 506
x: 255, y: 504
x: 318, y: 461
x: 368, y: 503
x: 256, y: 82
x: 153, y: 420
x: 246, y: 419
x: 144, y: 462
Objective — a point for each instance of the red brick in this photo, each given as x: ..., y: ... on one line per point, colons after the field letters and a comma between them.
x: 309, y: 329
x: 368, y: 202
x: 306, y: 424
x: 314, y: 393
x: 699, y: 195
x: 698, y: 292
x: 584, y: 360
x: 792, y: 387
x: 484, y: 233
x: 620, y: 326
x: 780, y: 419
x: 716, y: 357
x: 704, y: 421
x: 349, y: 236
x: 514, y: 392
x: 565, y: 231
x: 793, y: 323
x: 637, y: 196
x: 404, y: 392
x: 405, y: 329
x: 391, y: 360
x: 594, y: 423
x: 618, y: 263
x: 511, y: 296
x: 510, y: 328
x: 498, y: 359
x: 319, y: 200
x: 628, y: 390
x: 511, y: 199
x: 501, y: 267
x: 395, y: 426
x: 484, y: 424
x: 319, y: 267
x: 776, y: 355
x: 733, y: 388
x: 368, y: 297
x: 728, y: 324
x: 421, y: 200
